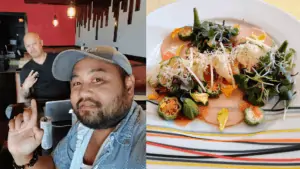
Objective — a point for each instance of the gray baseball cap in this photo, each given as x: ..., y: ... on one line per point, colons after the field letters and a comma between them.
x: 65, y: 61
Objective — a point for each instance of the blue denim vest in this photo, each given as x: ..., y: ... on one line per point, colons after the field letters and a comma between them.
x: 124, y: 149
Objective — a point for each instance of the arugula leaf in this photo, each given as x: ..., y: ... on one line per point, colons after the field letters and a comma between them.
x: 242, y: 81
x: 272, y: 92
x: 270, y: 78
x: 208, y: 35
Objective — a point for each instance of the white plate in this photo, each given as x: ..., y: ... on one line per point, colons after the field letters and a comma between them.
x: 280, y: 25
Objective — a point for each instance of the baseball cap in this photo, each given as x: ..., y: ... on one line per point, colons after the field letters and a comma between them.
x: 65, y: 61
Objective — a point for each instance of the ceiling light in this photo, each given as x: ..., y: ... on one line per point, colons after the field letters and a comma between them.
x: 71, y: 10
x: 21, y: 20
x: 55, y: 21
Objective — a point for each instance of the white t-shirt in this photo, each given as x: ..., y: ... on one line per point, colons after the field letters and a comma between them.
x: 84, y: 166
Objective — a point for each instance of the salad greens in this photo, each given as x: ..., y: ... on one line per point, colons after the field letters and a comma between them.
x: 208, y: 35
x: 271, y: 77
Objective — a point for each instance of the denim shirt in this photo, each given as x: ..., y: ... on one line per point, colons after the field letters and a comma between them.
x: 125, y: 147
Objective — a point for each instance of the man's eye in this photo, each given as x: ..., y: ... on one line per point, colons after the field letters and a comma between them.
x: 98, y: 80
x: 76, y: 83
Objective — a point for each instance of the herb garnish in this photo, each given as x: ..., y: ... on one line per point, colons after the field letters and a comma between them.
x: 208, y: 35
x: 271, y: 77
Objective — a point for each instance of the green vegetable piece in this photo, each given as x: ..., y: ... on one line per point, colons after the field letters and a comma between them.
x: 290, y: 54
x: 163, y: 81
x: 211, y: 43
x: 190, y: 109
x: 197, y: 23
x: 174, y: 62
x: 287, y: 79
x: 242, y: 81
x: 185, y: 33
x: 153, y: 81
x: 253, y: 116
x: 169, y: 108
x: 215, y: 92
x: 234, y: 31
x: 211, y: 34
x: 200, y: 98
x: 289, y: 58
x: 206, y: 27
x: 285, y: 93
x: 272, y: 92
x: 175, y: 90
x: 254, y: 98
x: 283, y: 47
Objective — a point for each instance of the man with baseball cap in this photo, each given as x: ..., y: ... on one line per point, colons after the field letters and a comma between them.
x: 111, y: 130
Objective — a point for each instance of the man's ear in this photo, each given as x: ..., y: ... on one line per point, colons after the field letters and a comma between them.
x: 130, y: 84
x: 42, y: 42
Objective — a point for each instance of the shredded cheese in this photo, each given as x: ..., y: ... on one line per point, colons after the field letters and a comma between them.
x: 257, y: 42
x: 248, y: 54
x: 191, y: 57
x: 231, y: 73
x: 228, y: 65
x: 211, y: 75
x: 199, y: 82
x: 221, y: 60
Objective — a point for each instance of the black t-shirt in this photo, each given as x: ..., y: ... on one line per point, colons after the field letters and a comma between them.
x: 46, y: 87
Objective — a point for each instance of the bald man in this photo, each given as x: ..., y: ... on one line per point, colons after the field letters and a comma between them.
x: 36, y: 75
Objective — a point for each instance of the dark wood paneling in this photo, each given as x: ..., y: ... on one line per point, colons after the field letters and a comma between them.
x: 100, y: 11
x: 11, y: 28
x: 137, y: 5
x: 130, y: 12
x: 7, y: 92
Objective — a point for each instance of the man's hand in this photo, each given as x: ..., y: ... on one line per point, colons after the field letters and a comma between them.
x: 30, y: 80
x: 24, y: 136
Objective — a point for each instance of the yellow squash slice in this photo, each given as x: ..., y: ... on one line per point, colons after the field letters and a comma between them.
x: 222, y: 118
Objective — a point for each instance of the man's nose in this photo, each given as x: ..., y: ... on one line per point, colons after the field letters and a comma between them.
x: 85, y: 91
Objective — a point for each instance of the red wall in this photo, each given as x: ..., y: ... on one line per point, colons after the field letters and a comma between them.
x: 39, y: 18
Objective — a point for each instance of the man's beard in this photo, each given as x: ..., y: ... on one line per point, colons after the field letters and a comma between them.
x: 104, y: 117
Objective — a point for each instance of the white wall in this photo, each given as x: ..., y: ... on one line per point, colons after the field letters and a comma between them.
x: 131, y: 38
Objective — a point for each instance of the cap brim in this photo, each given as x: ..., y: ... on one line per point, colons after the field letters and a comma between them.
x: 65, y: 61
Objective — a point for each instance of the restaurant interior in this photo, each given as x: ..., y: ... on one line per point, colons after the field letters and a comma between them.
x: 65, y: 24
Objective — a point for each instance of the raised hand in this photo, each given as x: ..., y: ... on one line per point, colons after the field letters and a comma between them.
x: 24, y: 136
x: 30, y: 80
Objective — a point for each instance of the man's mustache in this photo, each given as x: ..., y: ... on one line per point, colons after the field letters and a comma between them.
x: 98, y: 104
